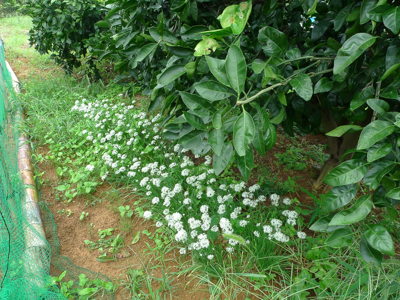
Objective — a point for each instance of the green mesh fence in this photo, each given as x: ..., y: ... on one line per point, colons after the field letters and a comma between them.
x: 25, y: 254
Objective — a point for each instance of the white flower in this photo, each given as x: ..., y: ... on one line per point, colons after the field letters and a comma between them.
x: 293, y: 215
x: 90, y: 168
x: 182, y: 251
x: 229, y: 250
x: 159, y: 224
x: 214, y: 228
x: 225, y: 225
x: 155, y: 200
x: 276, y: 223
x: 291, y: 222
x: 147, y: 214
x: 267, y: 229
x: 204, y: 209
x: 210, y: 192
x: 256, y: 233
x: 185, y: 172
x: 301, y: 235
x: 221, y: 209
x: 181, y: 236
x: 287, y: 201
x: 243, y: 223
x: 274, y: 200
x: 187, y: 201
x: 210, y: 256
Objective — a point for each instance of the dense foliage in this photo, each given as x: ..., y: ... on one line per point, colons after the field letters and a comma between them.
x: 225, y: 74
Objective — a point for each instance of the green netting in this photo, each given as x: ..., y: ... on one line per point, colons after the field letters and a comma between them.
x: 25, y: 254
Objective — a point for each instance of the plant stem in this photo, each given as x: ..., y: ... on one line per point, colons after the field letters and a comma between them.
x: 312, y: 74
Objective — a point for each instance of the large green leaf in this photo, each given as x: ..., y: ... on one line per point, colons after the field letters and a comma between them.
x: 171, y: 73
x: 366, y: 6
x: 338, y: 197
x: 145, y: 51
x: 194, y: 120
x: 216, y: 140
x: 378, y: 151
x: 192, y: 34
x: 374, y: 175
x: 377, y: 12
x: 355, y: 213
x: 102, y: 24
x: 392, y: 55
x: 199, y: 105
x: 213, y: 90
x: 236, y: 16
x: 236, y: 69
x: 379, y: 238
x: 391, y: 19
x: 351, y: 50
x: 220, y: 162
x: 205, y: 46
x: 217, y: 118
x: 322, y: 225
x: 303, y: 86
x: 323, y: 85
x: 340, y: 238
x: 390, y: 71
x: 341, y: 17
x: 243, y: 133
x: 246, y: 163
x: 270, y: 137
x: 348, y: 172
x: 258, y: 141
x: 217, y: 68
x: 369, y: 254
x: 180, y: 51
x: 258, y: 65
x: 380, y: 106
x: 339, y: 131
x: 394, y: 194
x: 276, y: 41
x: 373, y: 133
x: 193, y: 139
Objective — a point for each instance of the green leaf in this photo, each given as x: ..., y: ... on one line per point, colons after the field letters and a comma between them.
x: 379, y: 238
x: 366, y: 6
x: 216, y: 141
x: 351, y: 50
x: 313, y: 8
x: 320, y: 28
x: 258, y: 65
x: 217, y: 118
x: 390, y: 93
x: 217, y: 68
x: 192, y: 140
x: 355, y: 213
x: 194, y: 120
x: 373, y: 133
x: 391, y: 19
x: 279, y: 117
x: 338, y: 197
x: 374, y: 175
x: 394, y: 194
x: 205, y: 46
x: 380, y: 106
x: 323, y: 85
x: 339, y: 131
x: 193, y: 33
x: 276, y: 41
x: 270, y: 137
x: 236, y: 16
x: 258, y: 141
x: 377, y: 12
x: 282, y: 97
x: 340, y: 238
x: 348, y: 172
x: 145, y: 51
x: 390, y: 71
x: 378, y: 151
x: 238, y: 238
x: 341, y: 17
x: 102, y: 24
x: 171, y: 73
x: 303, y: 86
x: 197, y: 104
x: 392, y: 55
x: 243, y: 133
x: 180, y: 51
x: 136, y: 237
x: 236, y: 69
x: 213, y: 90
x: 190, y: 69
x: 322, y: 225
x: 246, y: 163
x: 369, y: 254
x: 220, y: 162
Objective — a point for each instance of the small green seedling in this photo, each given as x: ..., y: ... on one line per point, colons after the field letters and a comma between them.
x: 125, y: 210
x: 83, y: 215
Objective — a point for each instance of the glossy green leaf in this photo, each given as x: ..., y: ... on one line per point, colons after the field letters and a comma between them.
x: 338, y: 197
x: 374, y: 175
x: 217, y: 118
x: 366, y: 6
x: 192, y: 140
x: 180, y: 51
x: 391, y: 19
x: 270, y: 137
x: 378, y: 151
x: 258, y: 65
x: 216, y: 140
x: 390, y: 71
x: 394, y: 194
x: 322, y: 225
x: 351, y: 50
x: 303, y: 86
x: 377, y: 12
x: 323, y: 85
x: 213, y: 90
x: 236, y: 69
x: 276, y: 41
x: 341, y: 17
x: 193, y: 33
x: 243, y: 133
x: 379, y: 238
x: 312, y: 9
x: 246, y: 163
x: 380, y: 106
x: 197, y: 104
x: 144, y: 52
x: 171, y: 73
x: 206, y: 46
x: 340, y: 238
x: 279, y: 117
x: 258, y: 141
x: 217, y: 68
x: 102, y: 24
x: 392, y: 54
x: 369, y: 254
x: 348, y: 172
x: 373, y: 133
x: 320, y: 28
x: 339, y: 131
x: 194, y: 120
x: 190, y: 69
x: 220, y: 162
x: 389, y: 93
x: 355, y: 213
x: 282, y: 98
